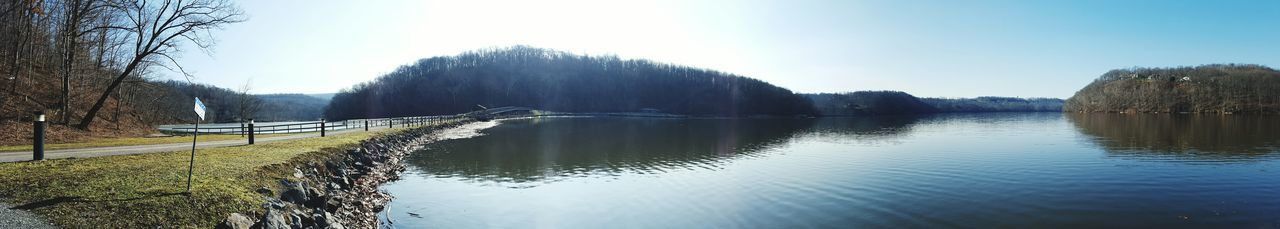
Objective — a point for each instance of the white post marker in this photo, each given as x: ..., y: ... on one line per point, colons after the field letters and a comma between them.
x: 191, y: 167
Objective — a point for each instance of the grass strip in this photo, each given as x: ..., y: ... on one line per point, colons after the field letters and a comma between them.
x: 137, y: 191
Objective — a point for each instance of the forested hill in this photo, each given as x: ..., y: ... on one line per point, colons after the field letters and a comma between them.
x: 559, y: 81
x: 226, y: 105
x: 291, y: 107
x: 995, y: 104
x: 1218, y: 88
x: 863, y: 103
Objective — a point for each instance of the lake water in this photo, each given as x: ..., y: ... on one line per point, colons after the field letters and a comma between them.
x: 1001, y: 170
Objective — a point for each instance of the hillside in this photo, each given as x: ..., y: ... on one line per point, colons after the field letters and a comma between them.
x: 226, y: 105
x: 323, y: 96
x: 291, y: 107
x: 995, y: 104
x: 1217, y: 88
x: 864, y: 103
x: 560, y: 81
x: 869, y: 103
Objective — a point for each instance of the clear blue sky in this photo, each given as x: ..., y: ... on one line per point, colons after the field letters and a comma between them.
x: 927, y: 48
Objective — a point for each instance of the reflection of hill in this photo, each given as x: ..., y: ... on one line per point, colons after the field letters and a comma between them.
x: 1211, y: 136
x: 539, y: 149
x: 866, y: 129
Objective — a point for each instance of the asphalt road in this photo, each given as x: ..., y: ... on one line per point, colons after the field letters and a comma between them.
x: 141, y: 149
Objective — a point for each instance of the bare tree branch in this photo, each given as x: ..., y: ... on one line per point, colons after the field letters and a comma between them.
x: 158, y: 28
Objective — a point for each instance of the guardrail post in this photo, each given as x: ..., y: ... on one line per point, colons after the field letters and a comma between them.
x: 366, y: 125
x: 321, y: 127
x: 251, y: 131
x: 37, y: 146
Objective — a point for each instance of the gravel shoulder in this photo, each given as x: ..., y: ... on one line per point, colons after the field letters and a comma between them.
x: 15, y: 218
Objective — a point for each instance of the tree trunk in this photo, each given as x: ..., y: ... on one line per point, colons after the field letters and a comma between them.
x: 70, y: 27
x: 68, y: 65
x: 15, y: 63
x: 93, y: 111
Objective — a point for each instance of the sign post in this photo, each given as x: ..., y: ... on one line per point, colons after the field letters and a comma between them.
x: 199, y: 108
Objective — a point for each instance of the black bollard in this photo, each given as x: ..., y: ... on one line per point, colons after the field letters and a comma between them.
x: 37, y: 146
x: 366, y: 125
x: 250, y: 131
x: 321, y: 127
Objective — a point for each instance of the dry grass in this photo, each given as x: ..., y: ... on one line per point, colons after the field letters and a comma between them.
x: 138, y: 191
x: 15, y: 132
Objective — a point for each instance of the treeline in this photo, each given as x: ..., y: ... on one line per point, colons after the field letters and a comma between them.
x: 1216, y: 88
x: 560, y: 81
x: 995, y: 104
x: 226, y: 105
x: 290, y: 107
x: 864, y: 103
x: 869, y: 103
x: 84, y: 60
x: 222, y: 105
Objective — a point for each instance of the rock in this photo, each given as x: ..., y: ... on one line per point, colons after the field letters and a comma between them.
x: 327, y: 220
x: 321, y: 221
x: 274, y: 220
x: 297, y: 173
x: 236, y: 221
x: 315, y: 202
x: 273, y: 203
x: 335, y: 186
x: 265, y: 191
x: 295, y: 220
x: 295, y: 192
x: 314, y: 193
x: 333, y: 204
x: 342, y: 171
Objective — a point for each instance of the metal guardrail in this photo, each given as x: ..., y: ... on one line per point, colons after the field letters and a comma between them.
x: 307, y: 127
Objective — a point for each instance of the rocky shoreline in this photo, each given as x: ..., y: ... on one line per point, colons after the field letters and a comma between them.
x: 340, y: 190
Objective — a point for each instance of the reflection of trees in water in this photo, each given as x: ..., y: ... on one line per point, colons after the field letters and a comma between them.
x: 541, y: 149
x: 888, y: 129
x: 1226, y: 137
x: 865, y: 130
x: 991, y: 119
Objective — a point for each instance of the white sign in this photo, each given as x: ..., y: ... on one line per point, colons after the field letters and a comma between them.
x: 199, y: 108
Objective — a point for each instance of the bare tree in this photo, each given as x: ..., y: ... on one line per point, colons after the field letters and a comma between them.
x: 77, y: 13
x: 18, y: 19
x: 157, y: 29
x: 247, y: 104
